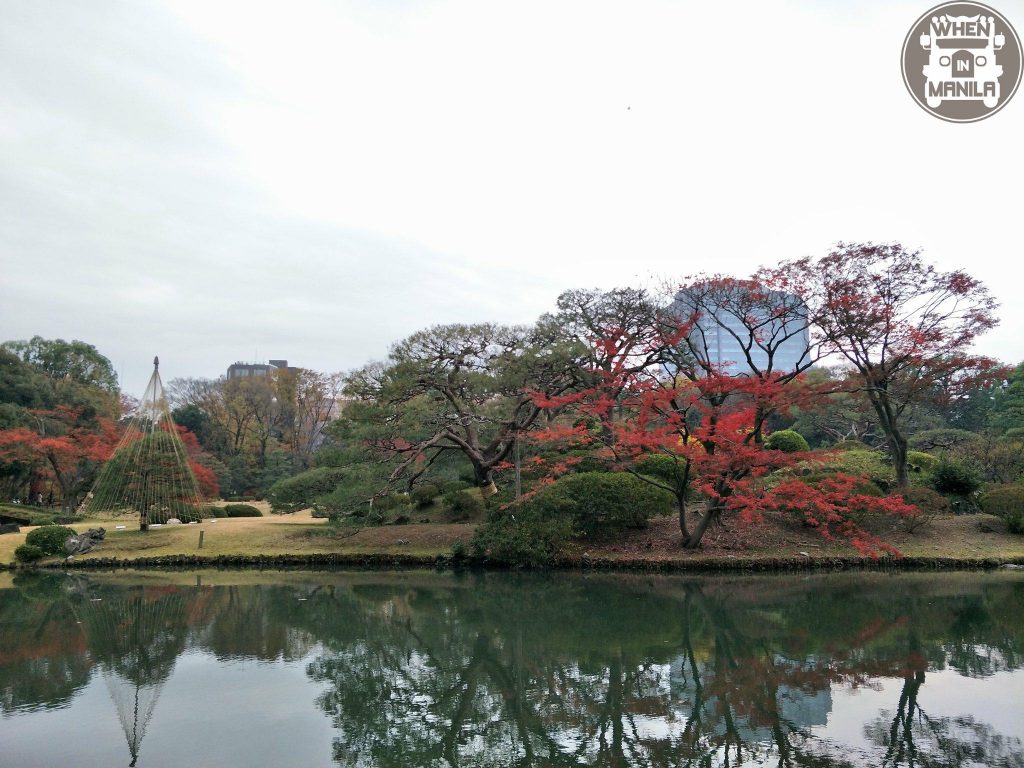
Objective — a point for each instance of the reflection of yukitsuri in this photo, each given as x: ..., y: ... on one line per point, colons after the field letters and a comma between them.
x: 135, y: 640
x: 149, y: 473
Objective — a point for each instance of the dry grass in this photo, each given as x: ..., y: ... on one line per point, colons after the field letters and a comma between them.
x: 945, y: 537
x: 297, y: 534
x: 949, y: 537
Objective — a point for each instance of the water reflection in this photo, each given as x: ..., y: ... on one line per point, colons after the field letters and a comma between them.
x: 427, y: 669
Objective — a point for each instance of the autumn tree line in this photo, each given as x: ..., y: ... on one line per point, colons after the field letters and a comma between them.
x: 62, y: 415
x: 614, y: 405
x: 611, y: 407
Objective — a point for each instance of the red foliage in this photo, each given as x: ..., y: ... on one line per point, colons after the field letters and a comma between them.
x: 65, y: 447
x: 712, y: 423
x: 904, y: 326
x: 209, y: 487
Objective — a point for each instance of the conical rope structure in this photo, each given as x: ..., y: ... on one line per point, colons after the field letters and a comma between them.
x: 148, y: 474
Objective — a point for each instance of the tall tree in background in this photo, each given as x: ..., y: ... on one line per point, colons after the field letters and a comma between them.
x: 58, y: 409
x: 905, y: 327
x: 61, y: 359
x: 316, y: 401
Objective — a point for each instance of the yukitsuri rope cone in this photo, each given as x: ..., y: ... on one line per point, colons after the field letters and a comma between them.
x: 148, y: 474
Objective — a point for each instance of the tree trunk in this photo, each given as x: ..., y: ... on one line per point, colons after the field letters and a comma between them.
x: 485, y: 481
x: 693, y: 541
x: 681, y: 506
x: 898, y: 444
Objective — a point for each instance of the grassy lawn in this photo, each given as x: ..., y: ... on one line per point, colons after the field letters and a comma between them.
x: 297, y: 534
x: 966, y: 537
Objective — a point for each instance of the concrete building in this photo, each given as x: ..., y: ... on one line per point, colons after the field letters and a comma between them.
x: 240, y: 370
x: 732, y: 326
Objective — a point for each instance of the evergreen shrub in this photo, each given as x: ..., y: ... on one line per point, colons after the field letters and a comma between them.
x: 955, y: 477
x: 787, y: 441
x: 242, y: 510
x: 50, y: 539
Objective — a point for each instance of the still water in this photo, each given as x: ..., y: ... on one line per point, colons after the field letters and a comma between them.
x: 420, y: 668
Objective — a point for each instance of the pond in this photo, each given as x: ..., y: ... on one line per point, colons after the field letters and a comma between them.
x: 423, y: 668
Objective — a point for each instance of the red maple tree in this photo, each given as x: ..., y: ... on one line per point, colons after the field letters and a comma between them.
x: 699, y: 427
x: 65, y: 446
x: 206, y: 478
x: 905, y: 327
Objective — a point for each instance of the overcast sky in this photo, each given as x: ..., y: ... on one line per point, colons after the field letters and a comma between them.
x: 218, y: 181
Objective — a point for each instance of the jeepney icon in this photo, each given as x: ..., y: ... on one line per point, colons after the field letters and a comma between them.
x: 962, y: 60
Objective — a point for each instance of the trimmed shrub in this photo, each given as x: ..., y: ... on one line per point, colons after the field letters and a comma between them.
x: 929, y: 504
x: 1015, y: 522
x: 919, y: 461
x: 606, y: 502
x: 1003, y: 500
x: 29, y: 553
x: 463, y: 505
x: 927, y: 500
x: 241, y: 510
x: 787, y: 441
x: 423, y: 495
x: 299, y: 492
x: 50, y: 539
x: 870, y: 464
x: 530, y: 534
x: 955, y: 477
x: 661, y: 466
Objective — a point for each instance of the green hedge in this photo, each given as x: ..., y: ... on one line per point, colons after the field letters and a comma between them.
x: 533, y: 532
x: 858, y: 462
x: 242, y: 510
x: 662, y: 466
x: 607, y: 502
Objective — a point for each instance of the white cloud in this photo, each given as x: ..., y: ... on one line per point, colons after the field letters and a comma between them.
x: 316, y: 180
